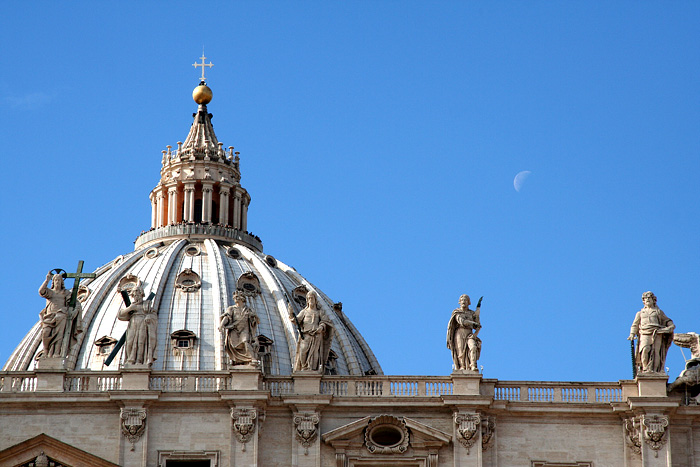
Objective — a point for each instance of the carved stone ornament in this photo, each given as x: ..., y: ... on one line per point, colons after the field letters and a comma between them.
x: 127, y: 283
x: 386, y: 435
x: 83, y: 293
x: 248, y: 284
x: 133, y: 424
x: 633, y: 434
x: 244, y: 423
x: 488, y: 427
x: 467, y: 428
x: 188, y: 281
x: 306, y: 429
x: 655, y: 431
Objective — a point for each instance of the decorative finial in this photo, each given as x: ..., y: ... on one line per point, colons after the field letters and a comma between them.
x: 202, y: 94
x: 210, y: 64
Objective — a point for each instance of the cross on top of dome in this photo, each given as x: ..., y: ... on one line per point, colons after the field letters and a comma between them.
x: 203, y: 65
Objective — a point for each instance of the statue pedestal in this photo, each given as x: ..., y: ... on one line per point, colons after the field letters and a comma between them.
x: 50, y: 380
x: 652, y: 384
x: 307, y: 382
x: 245, y: 378
x: 51, y: 363
x: 135, y: 379
x: 466, y: 383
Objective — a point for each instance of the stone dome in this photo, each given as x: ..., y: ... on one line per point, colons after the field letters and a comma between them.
x: 196, y: 255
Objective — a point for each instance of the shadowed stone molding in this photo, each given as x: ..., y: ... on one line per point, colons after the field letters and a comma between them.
x: 488, y: 428
x: 133, y: 423
x: 306, y: 429
x: 467, y: 427
x: 560, y: 464
x: 244, y: 424
x: 633, y: 434
x: 655, y: 431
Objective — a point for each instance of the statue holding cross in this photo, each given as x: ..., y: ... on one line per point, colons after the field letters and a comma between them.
x: 61, y: 318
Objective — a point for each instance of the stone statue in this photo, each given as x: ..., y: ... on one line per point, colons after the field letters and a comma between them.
x: 240, y: 325
x: 315, y: 335
x: 690, y: 376
x: 462, y: 335
x: 655, y: 334
x: 60, y: 324
x: 140, y: 345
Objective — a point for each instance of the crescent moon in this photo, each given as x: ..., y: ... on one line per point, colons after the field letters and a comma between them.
x: 519, y: 179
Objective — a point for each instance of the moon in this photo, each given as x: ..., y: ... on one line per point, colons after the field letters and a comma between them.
x: 519, y: 179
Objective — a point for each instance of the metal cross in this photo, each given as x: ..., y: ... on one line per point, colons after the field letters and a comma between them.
x: 210, y: 64
x: 79, y: 274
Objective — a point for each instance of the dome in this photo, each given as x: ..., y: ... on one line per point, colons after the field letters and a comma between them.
x: 195, y: 256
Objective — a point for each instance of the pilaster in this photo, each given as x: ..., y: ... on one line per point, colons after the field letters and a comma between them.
x: 133, y: 448
x: 246, y: 422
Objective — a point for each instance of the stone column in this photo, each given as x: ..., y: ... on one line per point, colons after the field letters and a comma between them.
x: 189, y: 202
x: 172, y: 204
x: 223, y: 204
x: 244, y: 216
x: 159, y: 208
x: 207, y: 188
x: 154, y: 210
x: 237, y: 210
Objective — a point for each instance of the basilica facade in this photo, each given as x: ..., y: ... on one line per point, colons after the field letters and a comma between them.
x: 198, y: 349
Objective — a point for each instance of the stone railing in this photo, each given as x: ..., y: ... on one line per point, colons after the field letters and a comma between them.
x: 189, y: 382
x: 541, y: 391
x: 92, y: 381
x: 387, y: 386
x: 336, y: 386
x: 17, y: 382
x: 199, y: 230
x: 279, y: 386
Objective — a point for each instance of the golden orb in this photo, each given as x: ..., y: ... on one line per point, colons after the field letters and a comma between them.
x: 202, y: 94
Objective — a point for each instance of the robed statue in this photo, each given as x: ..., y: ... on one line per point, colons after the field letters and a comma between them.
x: 315, y: 335
x: 654, y: 333
x: 462, y: 335
x: 141, y: 333
x: 240, y: 325
x: 689, y: 378
x: 60, y: 323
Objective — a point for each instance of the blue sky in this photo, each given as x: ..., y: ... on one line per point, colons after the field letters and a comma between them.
x: 379, y: 142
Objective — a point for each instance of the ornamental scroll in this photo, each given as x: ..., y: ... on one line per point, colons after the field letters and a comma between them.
x: 133, y: 421
x: 306, y: 429
x: 467, y: 428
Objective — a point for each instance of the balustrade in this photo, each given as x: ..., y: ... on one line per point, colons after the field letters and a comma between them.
x: 558, y: 392
x: 337, y: 386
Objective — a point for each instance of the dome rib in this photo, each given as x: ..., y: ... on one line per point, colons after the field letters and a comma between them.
x: 218, y: 303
